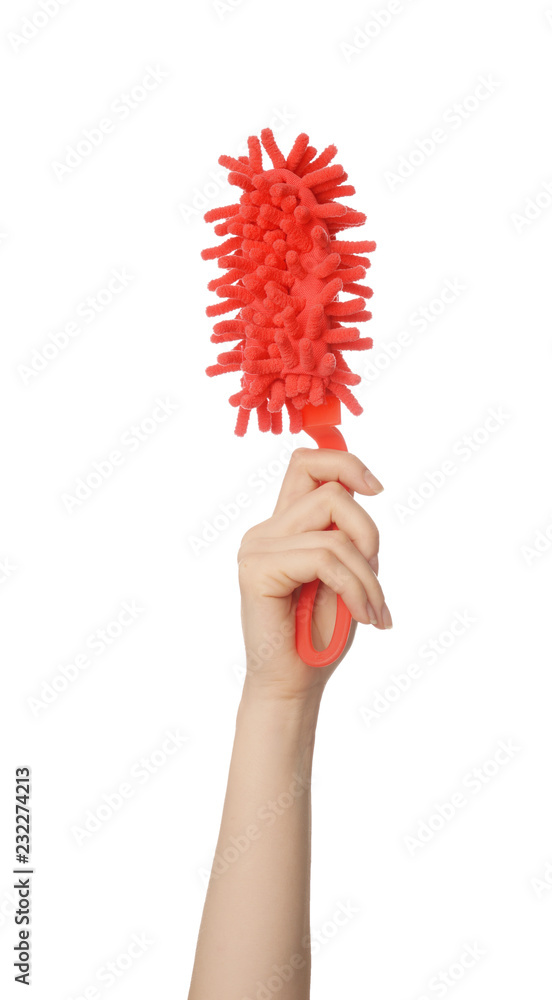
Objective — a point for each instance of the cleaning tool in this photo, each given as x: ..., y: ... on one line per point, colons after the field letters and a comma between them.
x: 285, y: 269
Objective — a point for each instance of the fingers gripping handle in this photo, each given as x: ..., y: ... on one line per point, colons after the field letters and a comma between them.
x: 319, y: 657
x: 326, y: 436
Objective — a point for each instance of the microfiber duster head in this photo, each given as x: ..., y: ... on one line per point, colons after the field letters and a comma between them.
x: 285, y: 270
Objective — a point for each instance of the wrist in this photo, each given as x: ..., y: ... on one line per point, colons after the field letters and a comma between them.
x: 293, y: 716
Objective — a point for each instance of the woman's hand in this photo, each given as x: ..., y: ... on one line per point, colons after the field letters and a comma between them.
x: 292, y: 548
x: 264, y: 886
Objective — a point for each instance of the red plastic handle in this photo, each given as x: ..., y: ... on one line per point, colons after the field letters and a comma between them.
x: 326, y: 436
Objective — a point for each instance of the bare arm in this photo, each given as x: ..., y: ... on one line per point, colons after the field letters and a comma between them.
x: 256, y: 917
x: 254, y: 935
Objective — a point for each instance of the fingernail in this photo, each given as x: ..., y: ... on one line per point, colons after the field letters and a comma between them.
x: 374, y: 563
x: 373, y: 483
x: 386, y: 617
x: 371, y: 614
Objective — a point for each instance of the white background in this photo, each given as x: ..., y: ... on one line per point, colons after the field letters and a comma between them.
x: 135, y: 203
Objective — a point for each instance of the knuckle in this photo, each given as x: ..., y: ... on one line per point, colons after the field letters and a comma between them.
x: 325, y: 558
x: 333, y: 489
x: 253, y: 534
x: 339, y: 538
x: 299, y: 456
x: 335, y: 573
x: 245, y: 544
x: 248, y: 566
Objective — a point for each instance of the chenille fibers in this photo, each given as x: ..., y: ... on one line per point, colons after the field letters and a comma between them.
x: 285, y: 273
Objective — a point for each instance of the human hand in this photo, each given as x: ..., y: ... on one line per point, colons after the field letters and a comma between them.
x: 292, y: 548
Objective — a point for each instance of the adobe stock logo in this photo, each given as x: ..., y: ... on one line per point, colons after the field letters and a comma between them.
x: 363, y: 35
x: 120, y: 108
x: 227, y: 513
x: 130, y: 442
x: 454, y: 119
x: 95, y: 644
x: 420, y: 320
x: 225, y: 7
x: 543, y: 883
x: 541, y: 544
x: 216, y: 182
x: 7, y: 569
x: 445, y: 979
x: 473, y: 782
x: 140, y: 774
x: 534, y: 208
x: 34, y: 23
x: 464, y: 449
x: 85, y: 312
x: 428, y: 654
x: 108, y: 974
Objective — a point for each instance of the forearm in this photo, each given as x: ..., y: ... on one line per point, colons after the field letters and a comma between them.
x: 256, y: 914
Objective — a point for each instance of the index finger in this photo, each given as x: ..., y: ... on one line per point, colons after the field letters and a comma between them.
x: 309, y: 467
